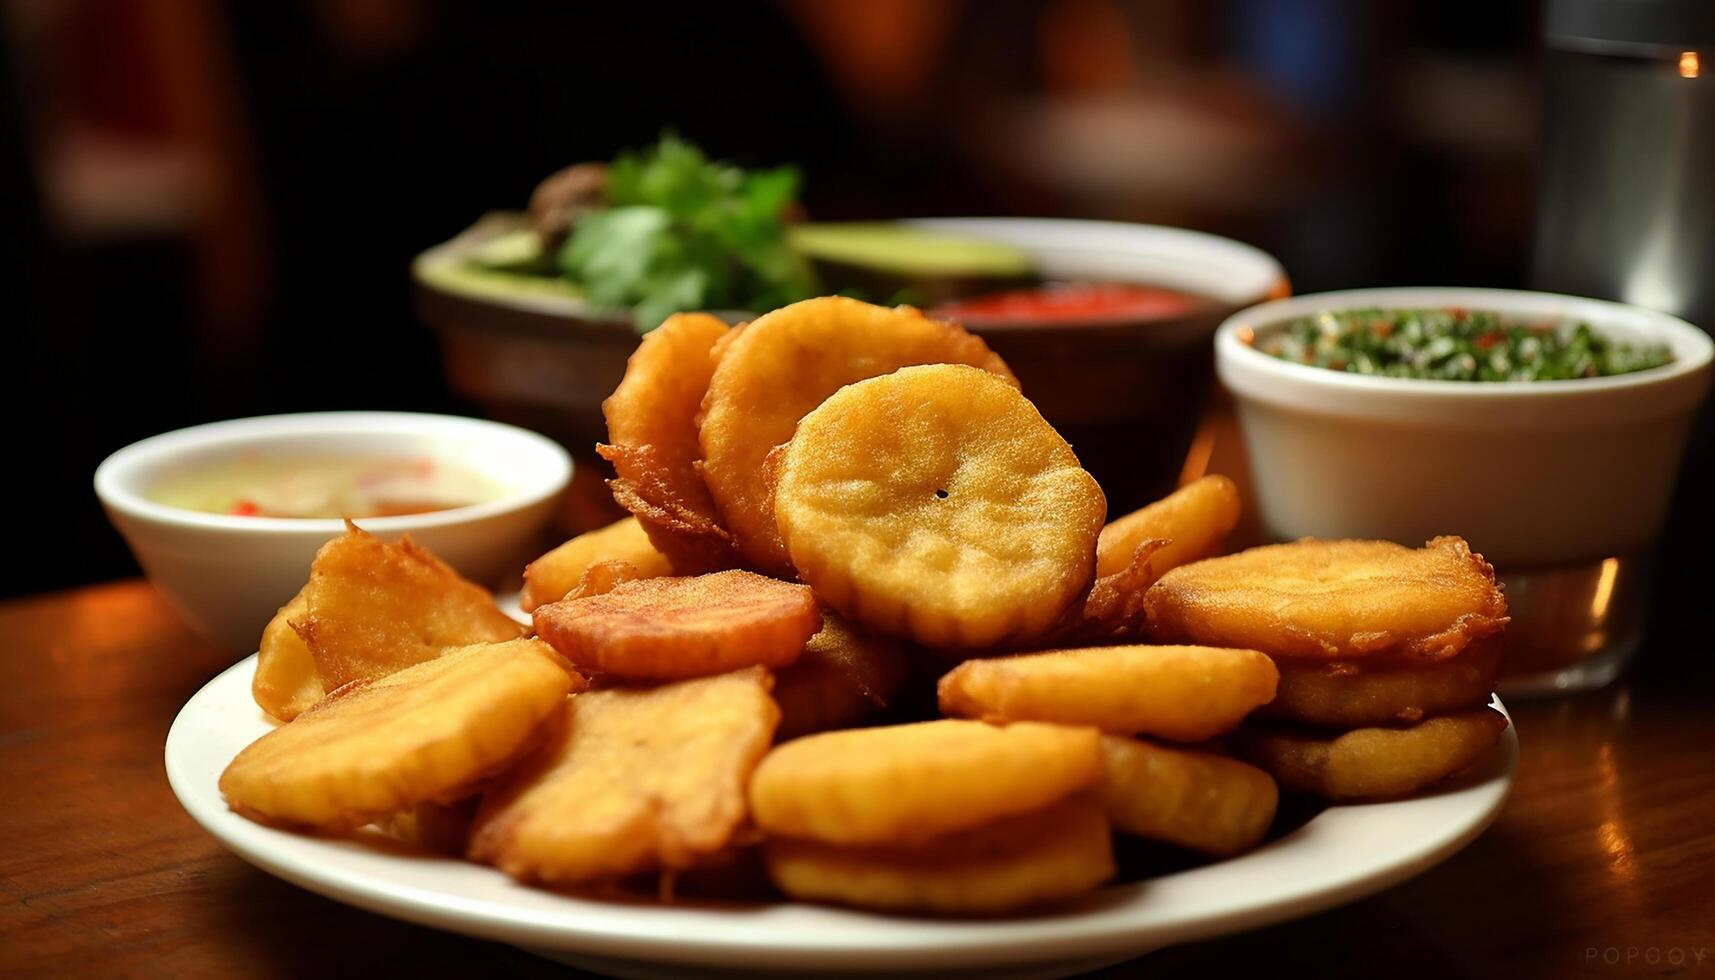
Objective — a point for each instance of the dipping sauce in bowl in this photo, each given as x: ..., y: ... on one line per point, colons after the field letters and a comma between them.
x: 256, y: 484
x: 1457, y: 345
x: 1072, y: 303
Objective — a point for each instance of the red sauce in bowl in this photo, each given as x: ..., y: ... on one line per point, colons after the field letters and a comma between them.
x: 1074, y: 303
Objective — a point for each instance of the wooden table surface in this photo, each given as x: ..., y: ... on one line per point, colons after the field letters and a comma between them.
x: 1603, y: 861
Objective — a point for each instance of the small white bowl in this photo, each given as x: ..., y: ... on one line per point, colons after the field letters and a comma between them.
x: 228, y: 574
x: 1532, y: 473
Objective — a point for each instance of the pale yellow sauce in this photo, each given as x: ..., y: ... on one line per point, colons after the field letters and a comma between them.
x: 310, y: 486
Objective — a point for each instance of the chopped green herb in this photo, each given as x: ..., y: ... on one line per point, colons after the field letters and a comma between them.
x: 682, y: 232
x: 1455, y: 345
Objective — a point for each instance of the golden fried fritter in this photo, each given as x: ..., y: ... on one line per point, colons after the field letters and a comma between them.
x: 844, y: 674
x: 373, y: 608
x: 1192, y: 519
x: 652, y: 442
x: 286, y: 681
x: 1017, y: 862
x: 906, y: 784
x: 550, y: 577
x: 1367, y: 763
x: 1360, y: 693
x: 1333, y: 600
x: 935, y: 503
x: 422, y: 734
x: 677, y: 627
x: 1187, y: 694
x: 784, y: 364
x: 634, y: 780
x: 1199, y: 800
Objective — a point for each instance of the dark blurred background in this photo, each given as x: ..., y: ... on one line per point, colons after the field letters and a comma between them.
x: 211, y: 207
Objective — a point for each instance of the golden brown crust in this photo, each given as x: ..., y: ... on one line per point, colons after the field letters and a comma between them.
x: 1191, y: 521
x: 652, y: 442
x: 677, y: 627
x: 1363, y: 693
x: 550, y: 577
x: 1333, y: 600
x: 1199, y: 800
x: 373, y: 608
x: 782, y: 366
x: 633, y: 780
x: 904, y: 784
x: 1018, y: 862
x: 1187, y: 694
x: 1371, y: 763
x: 935, y: 503
x: 377, y: 746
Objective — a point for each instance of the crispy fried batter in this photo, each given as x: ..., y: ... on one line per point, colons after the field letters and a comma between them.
x: 286, y: 681
x: 422, y: 734
x: 1017, y: 862
x: 1333, y: 600
x: 1355, y: 694
x: 935, y: 503
x: 1187, y: 694
x: 652, y: 442
x: 550, y: 577
x: 1192, y: 519
x: 784, y: 364
x: 1367, y: 763
x: 374, y: 608
x: 603, y: 577
x: 669, y: 628
x: 844, y: 674
x: 1199, y: 800
x: 906, y: 784
x: 1112, y: 609
x: 635, y: 780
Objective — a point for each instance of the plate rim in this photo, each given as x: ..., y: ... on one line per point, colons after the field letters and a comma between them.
x: 1105, y: 926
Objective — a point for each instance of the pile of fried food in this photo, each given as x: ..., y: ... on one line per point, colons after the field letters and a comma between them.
x: 868, y: 626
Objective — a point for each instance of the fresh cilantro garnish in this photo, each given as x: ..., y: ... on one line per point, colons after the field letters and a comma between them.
x: 683, y: 232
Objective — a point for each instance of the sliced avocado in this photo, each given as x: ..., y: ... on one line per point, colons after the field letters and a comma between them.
x: 906, y: 251
x: 513, y: 251
x: 888, y: 262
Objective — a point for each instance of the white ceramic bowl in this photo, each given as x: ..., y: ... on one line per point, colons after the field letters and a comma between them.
x: 228, y: 575
x: 1531, y: 473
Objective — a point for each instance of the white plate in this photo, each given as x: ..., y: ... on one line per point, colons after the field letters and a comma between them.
x: 1342, y: 854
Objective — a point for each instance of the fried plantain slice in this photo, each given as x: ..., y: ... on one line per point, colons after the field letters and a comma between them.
x: 422, y: 734
x: 935, y: 503
x: 844, y: 674
x: 652, y: 442
x: 784, y: 364
x: 1014, y: 863
x: 1333, y: 600
x: 1368, y: 763
x: 550, y: 577
x: 634, y: 780
x: 1187, y: 694
x: 286, y: 681
x: 1199, y: 800
x: 1362, y: 693
x: 905, y: 784
x: 373, y: 608
x: 677, y: 627
x: 1191, y: 520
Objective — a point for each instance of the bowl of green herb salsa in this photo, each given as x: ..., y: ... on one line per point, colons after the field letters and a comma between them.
x: 1546, y: 429
x: 1457, y: 345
